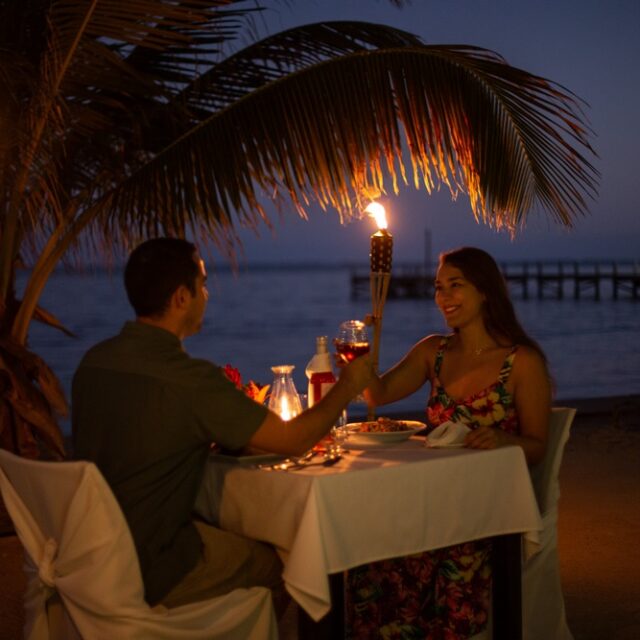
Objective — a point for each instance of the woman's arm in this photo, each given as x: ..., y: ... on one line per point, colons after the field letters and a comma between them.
x: 532, y: 400
x: 406, y: 376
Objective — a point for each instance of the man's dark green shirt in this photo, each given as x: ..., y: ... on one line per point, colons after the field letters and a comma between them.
x: 146, y: 413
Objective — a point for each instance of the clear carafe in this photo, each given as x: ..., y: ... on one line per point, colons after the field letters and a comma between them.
x: 284, y: 399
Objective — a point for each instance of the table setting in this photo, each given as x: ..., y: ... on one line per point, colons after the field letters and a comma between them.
x: 370, y: 503
x: 373, y: 489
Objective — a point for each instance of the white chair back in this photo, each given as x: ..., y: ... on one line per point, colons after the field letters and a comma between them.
x: 545, y: 474
x: 543, y: 612
x: 78, y: 547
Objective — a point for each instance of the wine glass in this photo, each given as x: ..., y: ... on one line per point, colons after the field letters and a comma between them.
x: 339, y: 435
x: 352, y: 340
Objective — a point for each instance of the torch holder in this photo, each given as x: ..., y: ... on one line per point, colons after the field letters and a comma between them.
x: 379, y: 289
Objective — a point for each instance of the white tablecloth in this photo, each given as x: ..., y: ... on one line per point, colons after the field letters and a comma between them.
x: 375, y: 503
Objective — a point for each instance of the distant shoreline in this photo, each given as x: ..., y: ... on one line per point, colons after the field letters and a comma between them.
x: 223, y: 266
x: 599, y: 406
x: 605, y: 405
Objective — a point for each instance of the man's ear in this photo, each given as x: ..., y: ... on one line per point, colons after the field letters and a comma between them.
x: 181, y: 297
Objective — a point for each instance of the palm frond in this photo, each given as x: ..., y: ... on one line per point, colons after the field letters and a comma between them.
x: 80, y: 85
x: 328, y: 134
x: 284, y: 53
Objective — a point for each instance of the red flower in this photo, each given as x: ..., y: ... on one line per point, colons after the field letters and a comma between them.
x: 256, y: 391
x: 233, y: 374
x: 253, y: 390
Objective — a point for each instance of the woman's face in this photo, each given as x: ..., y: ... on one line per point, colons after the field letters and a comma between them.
x: 458, y: 300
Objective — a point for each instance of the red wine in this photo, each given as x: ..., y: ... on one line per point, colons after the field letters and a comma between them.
x: 352, y: 350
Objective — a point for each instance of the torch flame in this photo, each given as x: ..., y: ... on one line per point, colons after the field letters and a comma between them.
x: 376, y: 210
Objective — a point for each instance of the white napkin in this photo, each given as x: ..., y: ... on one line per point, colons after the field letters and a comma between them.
x: 448, y: 434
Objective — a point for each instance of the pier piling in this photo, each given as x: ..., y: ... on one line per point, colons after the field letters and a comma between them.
x: 550, y: 278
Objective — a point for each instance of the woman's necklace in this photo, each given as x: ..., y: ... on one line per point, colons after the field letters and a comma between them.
x: 481, y: 350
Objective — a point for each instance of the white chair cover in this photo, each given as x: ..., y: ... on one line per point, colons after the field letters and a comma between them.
x: 543, y: 612
x: 78, y: 545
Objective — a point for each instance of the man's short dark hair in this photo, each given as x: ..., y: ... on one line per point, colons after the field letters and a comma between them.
x: 155, y: 269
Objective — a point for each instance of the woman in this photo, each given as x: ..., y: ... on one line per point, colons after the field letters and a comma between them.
x: 489, y: 374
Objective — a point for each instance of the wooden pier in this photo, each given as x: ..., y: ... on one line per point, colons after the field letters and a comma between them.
x: 592, y: 279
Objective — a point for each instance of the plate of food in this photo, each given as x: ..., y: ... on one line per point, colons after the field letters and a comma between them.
x: 383, y: 431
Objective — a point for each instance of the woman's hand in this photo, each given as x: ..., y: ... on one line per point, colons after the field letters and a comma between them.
x: 486, y: 438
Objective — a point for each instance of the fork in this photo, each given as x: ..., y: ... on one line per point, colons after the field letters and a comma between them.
x: 327, y: 462
x: 300, y: 463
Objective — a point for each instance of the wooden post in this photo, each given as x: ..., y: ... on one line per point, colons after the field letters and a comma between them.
x: 540, y: 283
x: 560, y: 290
x: 379, y: 289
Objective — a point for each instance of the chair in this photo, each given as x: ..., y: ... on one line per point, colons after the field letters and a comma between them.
x: 83, y: 576
x: 543, y: 612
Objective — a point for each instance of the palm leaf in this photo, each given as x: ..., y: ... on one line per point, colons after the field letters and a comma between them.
x: 46, y: 317
x: 328, y: 132
x: 81, y: 86
x: 282, y: 54
x: 32, y: 406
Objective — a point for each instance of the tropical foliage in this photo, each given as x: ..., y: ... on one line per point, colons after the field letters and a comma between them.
x: 121, y: 120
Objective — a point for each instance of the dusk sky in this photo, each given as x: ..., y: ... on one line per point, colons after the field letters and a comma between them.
x: 591, y: 47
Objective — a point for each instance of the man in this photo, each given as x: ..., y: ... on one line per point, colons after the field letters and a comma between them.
x: 146, y: 413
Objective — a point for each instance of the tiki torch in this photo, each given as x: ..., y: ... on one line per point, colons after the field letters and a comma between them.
x: 380, y: 256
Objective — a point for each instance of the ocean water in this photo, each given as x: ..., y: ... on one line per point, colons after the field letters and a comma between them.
x: 263, y: 317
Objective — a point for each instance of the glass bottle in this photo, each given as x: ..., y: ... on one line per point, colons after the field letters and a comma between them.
x: 320, y: 372
x: 284, y: 399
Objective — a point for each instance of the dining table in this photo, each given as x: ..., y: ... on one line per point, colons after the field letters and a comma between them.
x: 381, y: 499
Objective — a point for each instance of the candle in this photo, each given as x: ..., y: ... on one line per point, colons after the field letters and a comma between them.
x: 284, y: 399
x: 381, y: 241
x: 285, y: 412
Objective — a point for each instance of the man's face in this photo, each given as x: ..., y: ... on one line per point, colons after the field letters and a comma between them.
x: 198, y: 304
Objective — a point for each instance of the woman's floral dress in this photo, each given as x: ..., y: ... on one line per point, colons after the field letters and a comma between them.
x: 442, y: 594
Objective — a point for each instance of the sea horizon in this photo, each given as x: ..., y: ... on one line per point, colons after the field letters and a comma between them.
x: 223, y: 264
x: 262, y: 317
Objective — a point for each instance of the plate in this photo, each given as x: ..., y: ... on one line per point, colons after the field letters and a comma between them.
x: 383, y: 437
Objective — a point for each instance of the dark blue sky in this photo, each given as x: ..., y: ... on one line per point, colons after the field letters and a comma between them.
x: 592, y: 47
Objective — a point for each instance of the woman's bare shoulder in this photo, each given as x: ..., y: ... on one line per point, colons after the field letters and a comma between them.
x: 432, y: 341
x: 528, y: 359
x: 429, y: 345
x: 528, y: 354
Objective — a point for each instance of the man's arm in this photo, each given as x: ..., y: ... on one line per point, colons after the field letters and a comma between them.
x: 298, y: 435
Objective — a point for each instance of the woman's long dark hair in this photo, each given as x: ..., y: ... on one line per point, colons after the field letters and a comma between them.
x: 499, y: 316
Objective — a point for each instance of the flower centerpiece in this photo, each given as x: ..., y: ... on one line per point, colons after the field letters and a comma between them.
x: 252, y: 389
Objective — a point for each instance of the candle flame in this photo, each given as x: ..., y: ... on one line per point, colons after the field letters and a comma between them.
x: 376, y: 210
x: 287, y: 408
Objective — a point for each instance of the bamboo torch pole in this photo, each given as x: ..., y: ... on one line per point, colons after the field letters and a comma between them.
x: 380, y: 275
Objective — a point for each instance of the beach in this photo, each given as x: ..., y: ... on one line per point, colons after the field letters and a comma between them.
x: 599, y: 523
x: 598, y: 530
